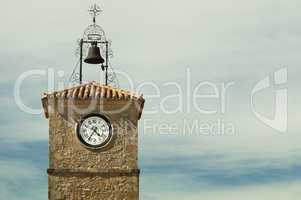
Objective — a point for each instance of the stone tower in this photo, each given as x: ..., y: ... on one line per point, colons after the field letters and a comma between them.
x: 93, y: 143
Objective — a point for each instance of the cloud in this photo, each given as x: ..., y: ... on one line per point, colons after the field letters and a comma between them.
x: 218, y: 177
x: 21, y: 180
x: 289, y: 190
x: 23, y: 170
x: 224, y: 170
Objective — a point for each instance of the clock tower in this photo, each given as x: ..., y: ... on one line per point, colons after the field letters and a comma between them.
x: 93, y: 143
x: 93, y: 131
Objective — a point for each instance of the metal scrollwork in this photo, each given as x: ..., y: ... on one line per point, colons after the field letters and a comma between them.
x: 94, y: 32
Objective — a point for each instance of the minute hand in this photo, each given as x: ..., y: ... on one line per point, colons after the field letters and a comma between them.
x: 93, y: 131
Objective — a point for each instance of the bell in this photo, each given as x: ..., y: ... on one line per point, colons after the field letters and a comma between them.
x: 94, y: 56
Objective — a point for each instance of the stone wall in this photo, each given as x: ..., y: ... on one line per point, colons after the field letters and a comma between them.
x: 93, y: 188
x: 81, y: 173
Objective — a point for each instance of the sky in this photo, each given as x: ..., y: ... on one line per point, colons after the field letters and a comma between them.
x: 197, y: 63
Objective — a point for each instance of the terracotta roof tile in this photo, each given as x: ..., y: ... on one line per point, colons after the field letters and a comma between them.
x: 93, y: 90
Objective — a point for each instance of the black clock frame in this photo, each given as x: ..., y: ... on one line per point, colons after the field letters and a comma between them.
x: 102, y: 145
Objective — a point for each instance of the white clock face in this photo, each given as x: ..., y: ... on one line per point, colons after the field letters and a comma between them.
x: 94, y: 131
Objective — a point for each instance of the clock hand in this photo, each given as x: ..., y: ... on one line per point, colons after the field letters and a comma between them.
x: 96, y: 132
x: 93, y: 131
x: 90, y: 136
x: 100, y: 135
x: 94, y: 128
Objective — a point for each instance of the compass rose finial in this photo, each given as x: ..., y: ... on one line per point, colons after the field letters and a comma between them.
x: 94, y: 10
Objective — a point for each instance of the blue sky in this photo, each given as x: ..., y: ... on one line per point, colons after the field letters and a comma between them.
x: 157, y: 41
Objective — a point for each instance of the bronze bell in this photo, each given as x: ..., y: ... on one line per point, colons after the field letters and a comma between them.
x: 94, y: 56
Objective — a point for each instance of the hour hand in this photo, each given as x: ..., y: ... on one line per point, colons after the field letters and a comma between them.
x: 97, y: 134
x: 94, y: 131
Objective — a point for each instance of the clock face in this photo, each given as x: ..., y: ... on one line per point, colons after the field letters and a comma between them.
x: 94, y: 131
